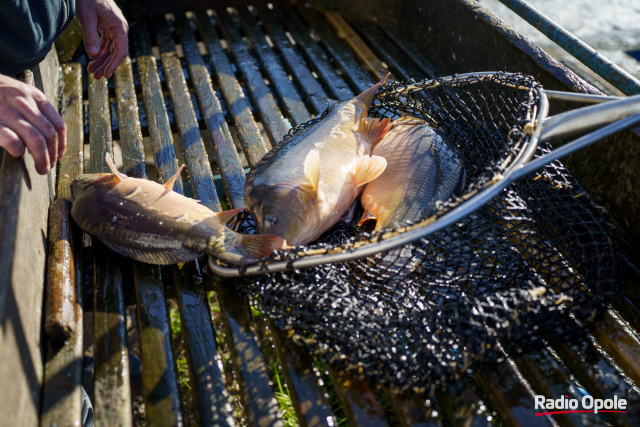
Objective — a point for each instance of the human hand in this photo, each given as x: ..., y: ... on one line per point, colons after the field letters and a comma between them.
x: 28, y: 119
x: 105, y: 35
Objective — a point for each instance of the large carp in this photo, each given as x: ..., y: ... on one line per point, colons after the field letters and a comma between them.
x: 423, y: 167
x: 150, y: 222
x: 304, y: 185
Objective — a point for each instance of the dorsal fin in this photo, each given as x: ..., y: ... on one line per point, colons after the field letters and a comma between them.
x: 113, y: 168
x: 171, y: 182
x: 226, y: 216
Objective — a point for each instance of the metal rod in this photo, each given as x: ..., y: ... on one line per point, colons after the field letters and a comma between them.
x: 606, y: 69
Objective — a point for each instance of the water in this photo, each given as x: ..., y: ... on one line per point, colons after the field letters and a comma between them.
x: 612, y: 27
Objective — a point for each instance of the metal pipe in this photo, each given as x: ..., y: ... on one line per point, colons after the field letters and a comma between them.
x: 576, y: 47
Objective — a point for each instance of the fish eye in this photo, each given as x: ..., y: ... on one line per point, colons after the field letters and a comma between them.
x: 270, y: 221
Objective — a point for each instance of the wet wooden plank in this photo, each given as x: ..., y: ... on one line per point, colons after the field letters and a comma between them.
x: 213, y: 408
x: 195, y: 153
x: 24, y: 202
x: 293, y: 60
x: 309, y: 398
x: 374, y: 36
x: 366, y: 56
x: 252, y: 373
x: 248, y: 132
x: 112, y: 393
x: 129, y: 121
x: 159, y: 380
x: 413, y: 411
x: 160, y: 132
x: 461, y: 404
x: 266, y: 106
x: 314, y: 54
x: 600, y: 378
x: 410, y: 50
x: 99, y: 124
x: 62, y: 391
x: 358, y: 400
x: 506, y: 392
x: 72, y: 163
x: 225, y: 151
x: 285, y: 90
x: 340, y: 53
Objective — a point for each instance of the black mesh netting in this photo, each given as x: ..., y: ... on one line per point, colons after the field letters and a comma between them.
x: 520, y: 273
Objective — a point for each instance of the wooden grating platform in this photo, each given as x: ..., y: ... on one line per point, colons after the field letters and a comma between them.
x: 215, y: 90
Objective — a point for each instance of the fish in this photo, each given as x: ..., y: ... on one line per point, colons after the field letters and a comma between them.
x: 303, y: 185
x: 424, y: 166
x: 151, y: 223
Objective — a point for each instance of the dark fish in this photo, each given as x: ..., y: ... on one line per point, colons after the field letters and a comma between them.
x: 150, y: 222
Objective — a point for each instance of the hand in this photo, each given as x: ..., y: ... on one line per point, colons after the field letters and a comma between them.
x: 27, y: 119
x: 105, y: 35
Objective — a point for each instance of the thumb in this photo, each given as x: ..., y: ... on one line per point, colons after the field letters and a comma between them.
x: 91, y: 37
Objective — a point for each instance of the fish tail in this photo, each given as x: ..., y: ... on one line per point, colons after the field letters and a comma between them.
x: 373, y: 129
x: 249, y: 248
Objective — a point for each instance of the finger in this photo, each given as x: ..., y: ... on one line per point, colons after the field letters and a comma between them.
x: 41, y: 115
x: 91, y: 35
x: 31, y: 137
x: 59, y: 126
x: 11, y: 142
x: 116, y: 59
x: 97, y: 66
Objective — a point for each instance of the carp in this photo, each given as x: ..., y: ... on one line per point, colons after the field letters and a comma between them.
x: 423, y: 167
x: 303, y: 185
x: 151, y: 223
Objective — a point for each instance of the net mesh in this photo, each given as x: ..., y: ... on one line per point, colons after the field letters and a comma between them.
x: 532, y: 267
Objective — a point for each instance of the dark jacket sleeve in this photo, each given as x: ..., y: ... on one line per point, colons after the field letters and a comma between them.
x: 28, y: 29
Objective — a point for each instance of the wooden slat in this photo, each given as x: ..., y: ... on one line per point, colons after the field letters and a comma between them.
x: 368, y: 59
x: 359, y: 402
x: 250, y: 139
x: 224, y: 148
x: 285, y: 90
x: 266, y: 105
x: 401, y: 66
x: 340, y: 53
x: 314, y: 54
x: 159, y: 380
x: 213, y: 408
x: 292, y: 59
x: 129, y: 121
x: 24, y: 201
x: 418, y: 58
x: 157, y: 118
x: 252, y: 374
x: 197, y: 160
x: 461, y: 404
x: 100, y: 124
x: 62, y: 391
x: 72, y: 163
x: 412, y: 411
x: 112, y: 393
x: 309, y: 399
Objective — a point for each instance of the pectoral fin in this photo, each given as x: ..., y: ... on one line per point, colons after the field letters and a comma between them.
x: 226, y: 216
x: 113, y: 168
x: 368, y: 168
x: 312, y: 169
x: 373, y: 130
x: 171, y: 182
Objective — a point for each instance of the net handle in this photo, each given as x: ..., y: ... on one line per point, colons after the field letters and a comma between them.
x: 609, y: 116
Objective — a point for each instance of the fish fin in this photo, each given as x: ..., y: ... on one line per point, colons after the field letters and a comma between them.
x: 249, y: 248
x: 226, y: 216
x: 368, y: 95
x: 171, y: 182
x: 373, y: 129
x: 167, y: 256
x: 407, y: 119
x: 367, y: 216
x: 368, y: 168
x: 312, y: 169
x: 113, y: 168
x: 104, y: 178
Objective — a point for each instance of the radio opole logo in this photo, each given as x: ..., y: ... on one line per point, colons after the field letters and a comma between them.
x: 588, y: 403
